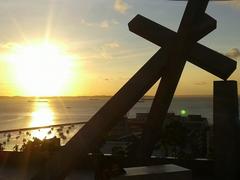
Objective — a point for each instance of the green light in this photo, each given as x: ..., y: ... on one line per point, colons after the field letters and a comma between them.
x: 183, y: 112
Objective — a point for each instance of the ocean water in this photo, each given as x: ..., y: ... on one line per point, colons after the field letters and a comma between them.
x: 25, y: 112
x: 18, y: 113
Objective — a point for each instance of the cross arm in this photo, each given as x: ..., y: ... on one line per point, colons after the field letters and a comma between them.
x: 161, y: 35
x: 204, y: 26
x: 212, y: 61
x: 209, y: 60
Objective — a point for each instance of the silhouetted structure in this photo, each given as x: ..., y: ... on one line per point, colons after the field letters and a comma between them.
x: 180, y: 137
x: 226, y: 130
x: 180, y: 46
x: 121, y: 129
x: 167, y: 63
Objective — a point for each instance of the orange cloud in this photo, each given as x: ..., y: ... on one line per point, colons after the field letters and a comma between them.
x: 121, y: 6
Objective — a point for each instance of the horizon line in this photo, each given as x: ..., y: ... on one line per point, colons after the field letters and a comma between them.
x: 204, y: 95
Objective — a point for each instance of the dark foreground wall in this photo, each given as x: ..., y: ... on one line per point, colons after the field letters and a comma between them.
x: 200, y: 168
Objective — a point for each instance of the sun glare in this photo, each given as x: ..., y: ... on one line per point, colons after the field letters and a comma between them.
x: 41, y: 69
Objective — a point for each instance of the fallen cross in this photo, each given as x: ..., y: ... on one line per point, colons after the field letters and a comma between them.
x: 167, y: 63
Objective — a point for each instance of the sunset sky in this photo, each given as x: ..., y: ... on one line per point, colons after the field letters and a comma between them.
x: 76, y: 47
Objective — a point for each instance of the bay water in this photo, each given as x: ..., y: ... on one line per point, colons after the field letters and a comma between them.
x: 19, y: 112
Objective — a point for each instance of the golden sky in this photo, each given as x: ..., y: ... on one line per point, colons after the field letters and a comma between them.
x: 84, y: 48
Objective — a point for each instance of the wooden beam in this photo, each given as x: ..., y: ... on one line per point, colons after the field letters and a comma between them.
x: 207, y: 59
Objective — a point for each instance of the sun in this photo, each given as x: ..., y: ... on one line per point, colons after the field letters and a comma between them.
x: 41, y: 69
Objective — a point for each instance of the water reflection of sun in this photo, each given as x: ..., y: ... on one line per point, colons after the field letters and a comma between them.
x: 42, y: 116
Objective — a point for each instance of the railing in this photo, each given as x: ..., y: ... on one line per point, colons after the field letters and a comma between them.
x: 15, y: 139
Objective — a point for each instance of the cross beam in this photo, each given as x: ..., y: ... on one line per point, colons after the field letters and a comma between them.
x: 183, y: 41
x: 207, y: 59
x: 91, y: 136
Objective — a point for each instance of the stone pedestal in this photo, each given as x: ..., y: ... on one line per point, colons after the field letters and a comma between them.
x: 165, y: 172
x: 226, y: 130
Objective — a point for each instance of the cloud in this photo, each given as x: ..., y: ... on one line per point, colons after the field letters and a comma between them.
x: 107, y: 50
x: 105, y: 24
x: 95, y: 50
x: 112, y: 45
x: 84, y: 22
x: 121, y: 6
x: 233, y: 53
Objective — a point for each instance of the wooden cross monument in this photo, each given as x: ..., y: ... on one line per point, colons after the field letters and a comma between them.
x: 167, y: 64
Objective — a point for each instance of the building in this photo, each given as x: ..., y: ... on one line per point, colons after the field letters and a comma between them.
x: 187, y: 136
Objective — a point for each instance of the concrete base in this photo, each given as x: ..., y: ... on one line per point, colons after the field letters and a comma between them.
x: 165, y: 172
